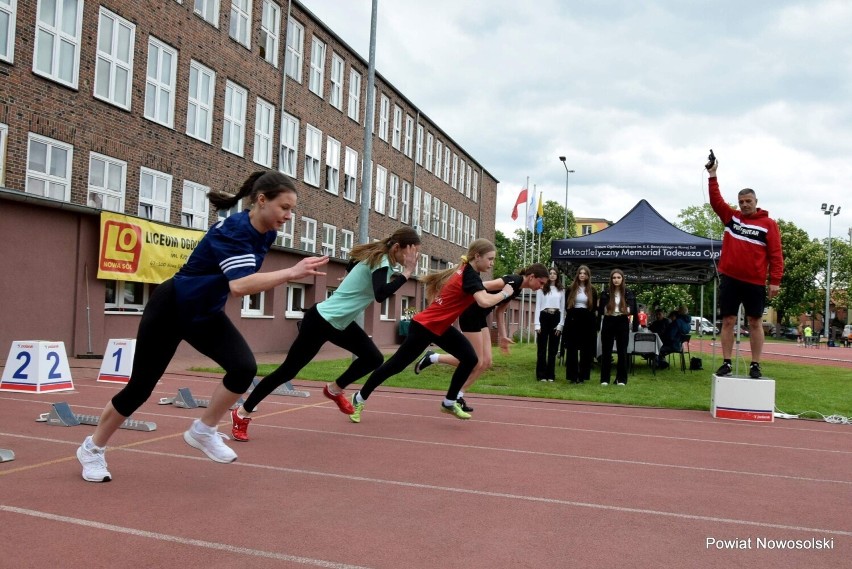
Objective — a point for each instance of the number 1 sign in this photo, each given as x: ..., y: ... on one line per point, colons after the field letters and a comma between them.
x: 37, y: 366
x: 118, y: 361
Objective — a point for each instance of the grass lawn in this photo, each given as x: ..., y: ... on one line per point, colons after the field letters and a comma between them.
x: 799, y: 388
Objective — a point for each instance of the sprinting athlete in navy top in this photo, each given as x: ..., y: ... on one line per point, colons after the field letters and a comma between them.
x: 452, y: 291
x: 473, y: 323
x: 189, y: 307
x: 370, y: 279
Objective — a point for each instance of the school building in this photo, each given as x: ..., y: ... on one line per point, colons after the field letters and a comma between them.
x: 137, y: 109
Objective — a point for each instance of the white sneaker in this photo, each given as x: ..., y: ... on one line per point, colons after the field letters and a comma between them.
x: 211, y: 445
x: 93, y: 462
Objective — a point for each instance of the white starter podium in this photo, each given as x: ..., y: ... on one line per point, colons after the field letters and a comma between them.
x: 118, y: 361
x: 37, y: 366
x: 742, y: 399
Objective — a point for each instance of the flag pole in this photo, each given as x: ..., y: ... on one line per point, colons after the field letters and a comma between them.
x: 524, y: 296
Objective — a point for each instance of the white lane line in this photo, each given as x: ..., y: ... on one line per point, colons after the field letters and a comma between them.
x: 181, y: 540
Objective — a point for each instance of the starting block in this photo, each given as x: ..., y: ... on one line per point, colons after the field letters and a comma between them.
x: 285, y: 389
x: 61, y: 415
x: 118, y: 361
x: 185, y: 400
x: 6, y: 455
x: 37, y: 366
x: 742, y: 399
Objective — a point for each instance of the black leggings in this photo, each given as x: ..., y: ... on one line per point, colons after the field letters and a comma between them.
x: 162, y: 329
x: 580, y: 336
x: 314, y: 332
x: 547, y: 345
x: 452, y: 341
x: 614, y: 329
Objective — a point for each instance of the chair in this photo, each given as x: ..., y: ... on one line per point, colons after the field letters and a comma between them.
x: 645, y: 345
x: 685, y: 353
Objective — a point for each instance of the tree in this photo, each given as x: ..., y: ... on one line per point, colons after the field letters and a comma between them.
x: 701, y: 220
x: 539, y: 249
x: 508, y: 255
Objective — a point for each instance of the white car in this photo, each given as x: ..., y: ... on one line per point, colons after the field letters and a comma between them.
x: 703, y: 326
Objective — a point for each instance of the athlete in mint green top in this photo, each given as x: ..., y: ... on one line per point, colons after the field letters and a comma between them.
x: 370, y: 279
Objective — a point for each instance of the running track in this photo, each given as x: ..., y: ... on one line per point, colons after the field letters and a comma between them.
x: 526, y: 483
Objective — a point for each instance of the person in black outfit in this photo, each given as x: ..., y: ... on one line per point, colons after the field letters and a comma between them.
x: 580, y: 331
x: 616, y: 306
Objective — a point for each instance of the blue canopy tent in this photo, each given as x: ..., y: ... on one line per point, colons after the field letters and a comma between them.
x: 645, y: 246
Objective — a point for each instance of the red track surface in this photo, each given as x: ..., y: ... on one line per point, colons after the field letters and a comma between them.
x: 526, y: 483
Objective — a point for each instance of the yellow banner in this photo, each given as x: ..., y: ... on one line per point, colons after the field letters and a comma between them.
x: 134, y: 249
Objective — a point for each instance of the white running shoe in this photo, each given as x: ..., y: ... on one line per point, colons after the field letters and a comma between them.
x: 93, y: 462
x: 211, y: 445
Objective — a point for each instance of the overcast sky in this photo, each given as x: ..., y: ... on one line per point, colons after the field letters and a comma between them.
x: 634, y: 94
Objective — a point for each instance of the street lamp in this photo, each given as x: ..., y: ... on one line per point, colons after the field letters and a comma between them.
x: 829, y: 211
x: 567, y: 172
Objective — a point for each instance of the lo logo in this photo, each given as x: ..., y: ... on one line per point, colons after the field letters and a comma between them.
x: 121, y: 247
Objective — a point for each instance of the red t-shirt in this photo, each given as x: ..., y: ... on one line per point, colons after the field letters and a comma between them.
x: 456, y: 295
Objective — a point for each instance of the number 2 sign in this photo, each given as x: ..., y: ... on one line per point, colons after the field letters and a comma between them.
x: 37, y: 366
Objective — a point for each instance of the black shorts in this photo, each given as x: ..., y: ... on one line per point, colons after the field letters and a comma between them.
x: 733, y: 292
x: 473, y: 319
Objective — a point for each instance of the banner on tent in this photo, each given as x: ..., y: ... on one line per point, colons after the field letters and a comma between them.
x: 636, y: 252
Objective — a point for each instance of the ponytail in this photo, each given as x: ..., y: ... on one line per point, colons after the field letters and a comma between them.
x: 267, y: 182
x: 373, y: 252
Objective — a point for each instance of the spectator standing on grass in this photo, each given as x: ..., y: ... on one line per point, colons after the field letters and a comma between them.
x: 190, y: 306
x: 751, y: 251
x: 473, y: 323
x: 616, y: 306
x: 580, y: 331
x: 370, y: 278
x: 549, y: 321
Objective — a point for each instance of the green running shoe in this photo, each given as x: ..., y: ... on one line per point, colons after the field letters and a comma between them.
x: 455, y: 410
x: 355, y: 417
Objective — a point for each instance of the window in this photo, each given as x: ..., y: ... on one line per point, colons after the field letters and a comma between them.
x: 347, y: 238
x: 285, y: 235
x: 270, y: 32
x: 317, y: 76
x: 474, y: 193
x: 438, y: 154
x: 332, y: 165
x: 160, y: 83
x: 264, y: 119
x: 295, y: 301
x: 444, y: 213
x: 468, y: 181
x: 199, y: 108
x: 426, y: 221
x: 386, y: 308
x: 393, y: 196
x: 194, y: 209
x: 423, y: 267
x: 436, y: 216
x: 107, y: 179
x: 587, y: 229
x: 125, y: 296
x: 419, y: 153
x: 4, y: 136
x: 429, y: 143
x: 452, y: 233
x: 114, y: 61
x: 446, y: 165
x: 289, y: 144
x: 209, y: 10
x: 405, y: 303
x: 397, y: 127
x: 350, y: 175
x: 240, y: 28
x: 253, y: 305
x: 155, y: 191
x: 455, y: 179
x: 329, y: 239
x: 466, y: 232
x: 295, y: 50
x: 409, y: 135
x: 380, y: 184
x: 313, y: 153
x: 354, y: 95
x: 461, y: 178
x: 223, y: 214
x: 406, y: 202
x: 7, y: 30
x: 57, y: 40
x: 472, y: 231
x: 308, y: 239
x: 384, y: 117
x: 415, y: 208
x: 234, y: 120
x: 337, y: 68
x: 459, y: 227
x: 49, y: 168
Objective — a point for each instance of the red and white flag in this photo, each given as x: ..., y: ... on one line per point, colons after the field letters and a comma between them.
x: 522, y: 199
